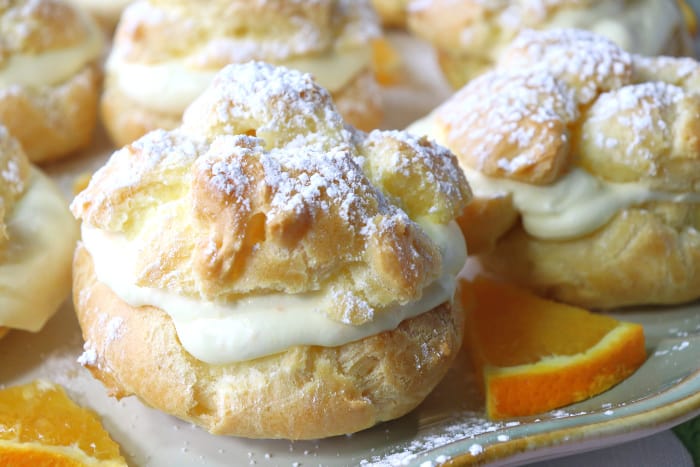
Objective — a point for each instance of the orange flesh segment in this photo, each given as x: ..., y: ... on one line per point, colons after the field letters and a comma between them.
x: 386, y: 62
x: 40, y: 425
x: 533, y: 355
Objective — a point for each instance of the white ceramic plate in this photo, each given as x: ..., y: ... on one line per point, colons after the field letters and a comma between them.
x: 449, y: 425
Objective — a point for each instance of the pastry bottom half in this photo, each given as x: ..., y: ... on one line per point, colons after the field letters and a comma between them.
x: 306, y: 392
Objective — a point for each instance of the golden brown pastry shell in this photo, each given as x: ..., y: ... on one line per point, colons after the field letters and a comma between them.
x: 52, y: 122
x: 647, y: 255
x: 359, y: 102
x: 306, y: 392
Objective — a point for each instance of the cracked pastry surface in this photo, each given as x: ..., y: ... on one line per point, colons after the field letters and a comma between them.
x: 49, y: 80
x: 302, y: 256
x: 584, y: 164
x: 37, y: 238
x: 166, y: 53
x: 470, y: 35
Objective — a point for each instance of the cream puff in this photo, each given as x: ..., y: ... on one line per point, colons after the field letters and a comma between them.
x: 37, y: 239
x: 49, y: 76
x: 165, y: 55
x: 264, y: 270
x: 469, y: 35
x: 106, y: 12
x: 585, y: 163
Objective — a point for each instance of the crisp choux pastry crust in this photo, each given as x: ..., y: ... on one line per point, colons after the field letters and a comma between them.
x: 166, y: 53
x: 264, y: 194
x: 49, y: 78
x: 37, y: 237
x: 584, y: 164
x: 470, y: 35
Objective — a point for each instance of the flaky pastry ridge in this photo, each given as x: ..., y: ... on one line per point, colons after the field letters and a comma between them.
x: 579, y: 103
x: 263, y: 189
x: 470, y: 35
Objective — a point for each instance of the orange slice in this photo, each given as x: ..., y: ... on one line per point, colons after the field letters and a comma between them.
x: 387, y: 63
x: 533, y: 355
x: 41, y: 426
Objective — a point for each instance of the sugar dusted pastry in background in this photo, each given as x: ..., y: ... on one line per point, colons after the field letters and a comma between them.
x: 266, y: 271
x: 166, y: 53
x: 469, y: 35
x: 391, y: 12
x: 49, y: 77
x: 107, y: 12
x: 585, y: 166
x: 37, y: 239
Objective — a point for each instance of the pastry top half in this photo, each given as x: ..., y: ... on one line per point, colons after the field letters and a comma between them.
x: 263, y: 192
x: 483, y: 28
x: 37, y: 237
x: 568, y: 104
x: 44, y: 42
x: 585, y: 161
x: 159, y: 39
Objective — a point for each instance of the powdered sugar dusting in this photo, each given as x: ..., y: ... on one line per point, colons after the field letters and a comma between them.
x: 468, y: 426
x: 587, y: 62
x: 509, y: 109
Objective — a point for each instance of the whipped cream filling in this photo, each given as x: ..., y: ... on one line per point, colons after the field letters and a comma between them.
x: 171, y: 86
x: 252, y: 327
x: 35, y: 266
x: 575, y: 205
x: 54, y: 66
x: 642, y: 27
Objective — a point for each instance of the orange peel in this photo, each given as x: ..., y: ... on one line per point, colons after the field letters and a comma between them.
x: 533, y: 355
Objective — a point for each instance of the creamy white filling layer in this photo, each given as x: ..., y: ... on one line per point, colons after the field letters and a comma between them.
x: 576, y: 204
x: 35, y: 268
x: 219, y: 333
x: 52, y: 66
x: 171, y: 86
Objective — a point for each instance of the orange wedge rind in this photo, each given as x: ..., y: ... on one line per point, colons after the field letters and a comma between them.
x: 533, y: 355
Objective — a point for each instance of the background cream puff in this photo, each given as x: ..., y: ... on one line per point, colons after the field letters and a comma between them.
x: 469, y: 35
x: 165, y: 55
x: 37, y: 239
x: 585, y: 163
x: 49, y: 76
x: 268, y: 271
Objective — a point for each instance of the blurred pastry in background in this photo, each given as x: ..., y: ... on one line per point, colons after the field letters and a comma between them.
x: 166, y: 53
x: 391, y: 12
x: 37, y: 238
x: 106, y: 12
x: 49, y: 76
x: 265, y: 270
x: 470, y: 35
x: 585, y: 166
